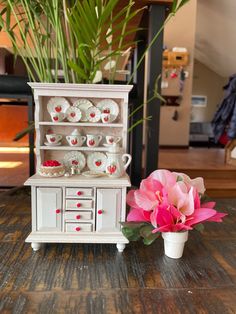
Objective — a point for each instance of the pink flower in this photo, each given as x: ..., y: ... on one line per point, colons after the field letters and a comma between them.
x: 170, y: 202
x: 198, y: 183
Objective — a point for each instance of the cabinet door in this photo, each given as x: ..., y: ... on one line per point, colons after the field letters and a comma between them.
x: 49, y: 209
x: 108, y: 210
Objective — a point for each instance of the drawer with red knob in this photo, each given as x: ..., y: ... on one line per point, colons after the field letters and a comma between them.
x: 78, y: 227
x: 79, y: 192
x: 79, y: 204
x: 79, y: 215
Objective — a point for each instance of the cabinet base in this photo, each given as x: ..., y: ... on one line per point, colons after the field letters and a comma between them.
x: 37, y: 238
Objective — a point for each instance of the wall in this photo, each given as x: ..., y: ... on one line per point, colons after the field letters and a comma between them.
x: 208, y: 83
x: 180, y: 32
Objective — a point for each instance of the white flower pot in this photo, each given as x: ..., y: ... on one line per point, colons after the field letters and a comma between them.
x: 174, y: 243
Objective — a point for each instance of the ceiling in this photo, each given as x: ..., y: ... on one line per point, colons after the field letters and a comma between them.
x: 216, y: 35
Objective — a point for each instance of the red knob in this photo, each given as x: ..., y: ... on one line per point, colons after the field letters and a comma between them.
x: 100, y: 211
x: 78, y: 205
x: 78, y: 217
x: 79, y: 193
x: 58, y: 211
x: 77, y: 228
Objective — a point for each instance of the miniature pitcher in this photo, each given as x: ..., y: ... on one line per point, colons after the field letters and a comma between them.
x: 116, y: 165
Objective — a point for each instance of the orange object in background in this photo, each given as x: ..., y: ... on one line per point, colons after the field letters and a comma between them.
x: 13, y: 119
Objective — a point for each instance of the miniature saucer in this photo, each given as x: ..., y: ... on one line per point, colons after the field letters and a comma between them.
x: 83, y: 104
x: 97, y: 162
x: 93, y: 114
x: 76, y: 159
x: 73, y: 114
x: 93, y: 174
x: 109, y: 106
x: 108, y: 145
x: 52, y: 144
x: 57, y: 104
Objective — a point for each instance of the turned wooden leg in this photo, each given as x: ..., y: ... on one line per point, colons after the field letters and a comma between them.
x: 120, y: 247
x: 36, y: 246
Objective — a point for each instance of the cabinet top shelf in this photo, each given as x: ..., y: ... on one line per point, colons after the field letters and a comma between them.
x: 103, y: 125
x: 76, y: 148
x: 79, y: 181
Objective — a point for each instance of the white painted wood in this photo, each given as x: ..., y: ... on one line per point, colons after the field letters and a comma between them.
x: 79, y: 204
x: 109, y: 202
x: 33, y: 204
x: 79, y: 215
x: 84, y: 237
x: 79, y: 180
x: 36, y: 246
x: 61, y: 193
x: 120, y: 247
x: 49, y: 200
x: 79, y: 192
x: 83, y: 227
x: 78, y: 124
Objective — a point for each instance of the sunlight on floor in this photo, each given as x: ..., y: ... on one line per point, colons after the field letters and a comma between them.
x: 14, y: 150
x: 10, y: 164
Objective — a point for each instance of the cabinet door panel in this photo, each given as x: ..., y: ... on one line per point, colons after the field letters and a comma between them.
x: 108, y: 210
x: 49, y: 209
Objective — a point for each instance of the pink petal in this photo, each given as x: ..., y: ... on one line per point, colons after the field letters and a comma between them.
x: 200, y: 215
x: 144, y: 200
x: 208, y: 205
x: 166, y: 177
x: 136, y: 215
x: 217, y: 217
x: 130, y: 199
x: 151, y: 184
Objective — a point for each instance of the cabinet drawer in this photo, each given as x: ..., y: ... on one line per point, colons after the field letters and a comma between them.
x: 78, y: 215
x: 79, y: 192
x: 78, y: 227
x: 79, y: 204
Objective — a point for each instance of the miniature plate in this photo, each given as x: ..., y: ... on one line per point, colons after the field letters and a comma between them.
x: 93, y: 174
x: 52, y: 144
x: 58, y: 104
x: 97, y: 162
x: 83, y: 104
x: 109, y: 106
x: 93, y: 114
x: 73, y: 114
x: 76, y: 159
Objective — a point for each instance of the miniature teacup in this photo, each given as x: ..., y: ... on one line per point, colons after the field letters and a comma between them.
x: 57, y: 116
x: 93, y: 140
x: 106, y: 117
x: 112, y: 139
x: 53, y: 138
x: 75, y: 140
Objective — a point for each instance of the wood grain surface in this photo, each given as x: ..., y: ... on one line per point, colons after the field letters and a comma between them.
x: 87, y: 278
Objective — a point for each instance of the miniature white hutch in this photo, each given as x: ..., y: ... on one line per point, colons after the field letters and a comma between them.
x: 77, y: 209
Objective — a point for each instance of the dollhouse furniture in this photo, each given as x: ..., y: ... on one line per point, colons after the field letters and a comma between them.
x: 77, y: 209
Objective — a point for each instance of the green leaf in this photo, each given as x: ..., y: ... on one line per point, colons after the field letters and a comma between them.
x: 151, y: 238
x: 78, y: 70
x: 179, y: 178
x: 131, y: 234
x: 174, y: 6
x: 182, y: 3
x: 146, y: 231
x: 199, y: 227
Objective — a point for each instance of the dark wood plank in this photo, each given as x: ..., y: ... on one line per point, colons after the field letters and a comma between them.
x: 89, y: 278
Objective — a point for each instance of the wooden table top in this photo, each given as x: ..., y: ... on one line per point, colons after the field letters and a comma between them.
x: 88, y: 278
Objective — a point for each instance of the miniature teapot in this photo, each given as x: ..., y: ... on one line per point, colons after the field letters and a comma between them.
x: 115, y: 165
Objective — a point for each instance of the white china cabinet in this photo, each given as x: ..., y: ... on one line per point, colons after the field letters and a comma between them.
x: 77, y: 209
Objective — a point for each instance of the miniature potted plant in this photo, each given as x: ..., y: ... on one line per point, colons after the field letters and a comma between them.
x: 170, y: 204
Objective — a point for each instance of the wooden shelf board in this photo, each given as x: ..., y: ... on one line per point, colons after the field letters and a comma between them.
x: 103, y: 125
x: 76, y: 148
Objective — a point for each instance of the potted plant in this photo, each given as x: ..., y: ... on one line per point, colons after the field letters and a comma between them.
x: 170, y: 204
